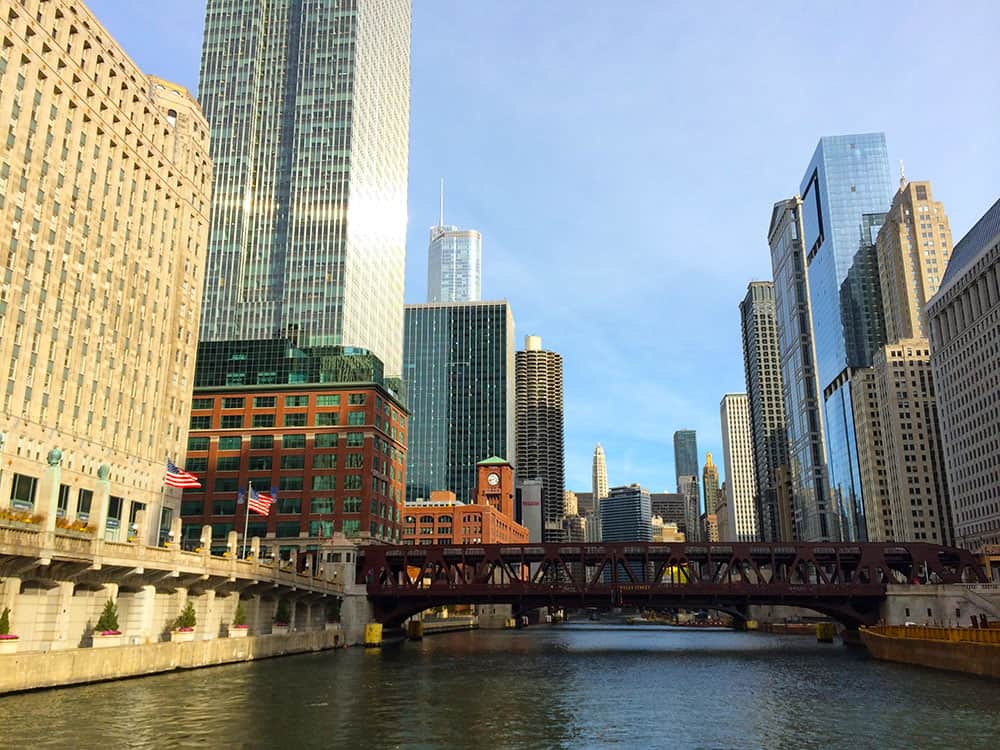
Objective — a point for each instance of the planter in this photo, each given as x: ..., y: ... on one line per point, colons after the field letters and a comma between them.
x: 279, y: 629
x: 181, y: 636
x: 107, y: 641
x: 238, y: 631
x: 75, y: 534
x: 8, y: 644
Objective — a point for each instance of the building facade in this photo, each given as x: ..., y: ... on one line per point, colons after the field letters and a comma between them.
x: 309, y: 109
x: 737, y: 449
x: 812, y: 513
x: 762, y: 368
x: 685, y: 455
x: 964, y: 320
x: 454, y: 265
x: 710, y: 484
x: 104, y: 189
x: 321, y: 428
x: 846, y: 190
x: 458, y: 367
x: 528, y: 493
x: 539, y: 429
x: 627, y: 515
x: 687, y: 486
x: 670, y: 506
x: 599, y: 475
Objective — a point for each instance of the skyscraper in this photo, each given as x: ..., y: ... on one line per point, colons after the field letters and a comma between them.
x: 458, y: 366
x: 812, y: 514
x: 308, y: 104
x: 762, y: 368
x: 687, y: 487
x: 454, y: 262
x: 737, y: 449
x: 845, y: 192
x: 627, y: 515
x: 599, y: 478
x: 685, y: 453
x: 104, y: 188
x: 539, y: 429
x: 965, y: 356
x: 710, y: 484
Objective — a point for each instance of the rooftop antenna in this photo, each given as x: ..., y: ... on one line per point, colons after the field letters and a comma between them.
x: 902, y: 175
x: 441, y: 217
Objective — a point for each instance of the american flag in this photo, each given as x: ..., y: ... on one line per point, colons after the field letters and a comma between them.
x: 260, y: 502
x: 177, y: 477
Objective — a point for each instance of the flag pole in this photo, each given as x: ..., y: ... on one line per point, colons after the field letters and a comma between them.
x: 246, y: 517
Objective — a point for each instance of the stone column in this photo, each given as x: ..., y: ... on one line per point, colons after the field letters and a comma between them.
x: 140, y: 527
x: 50, y: 489
x: 60, y: 629
x: 231, y: 544
x: 145, y: 600
x: 208, y: 619
x: 102, y: 498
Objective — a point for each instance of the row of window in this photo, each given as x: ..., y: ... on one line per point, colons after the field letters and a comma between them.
x: 295, y: 419
x: 270, y: 402
x: 286, y: 529
x: 266, y: 442
x: 317, y: 506
x: 287, y: 483
x: 265, y: 463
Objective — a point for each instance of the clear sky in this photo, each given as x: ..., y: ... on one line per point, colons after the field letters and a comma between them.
x: 621, y: 160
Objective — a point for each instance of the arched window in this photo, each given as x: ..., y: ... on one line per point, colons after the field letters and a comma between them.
x: 426, y: 519
x: 410, y: 519
x: 444, y: 519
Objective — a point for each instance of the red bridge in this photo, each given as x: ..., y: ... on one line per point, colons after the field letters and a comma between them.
x: 846, y: 582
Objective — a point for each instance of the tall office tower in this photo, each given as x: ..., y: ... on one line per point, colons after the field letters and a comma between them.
x: 722, y: 515
x: 458, y: 366
x: 627, y: 515
x: 710, y: 484
x: 585, y: 503
x: 539, y: 429
x: 669, y: 506
x: 762, y: 368
x: 687, y: 486
x: 965, y: 357
x: 104, y: 190
x: 599, y: 475
x: 899, y: 442
x: 571, y: 506
x: 454, y: 262
x: 741, y: 482
x: 309, y: 105
x: 685, y: 455
x: 845, y: 191
x: 812, y: 514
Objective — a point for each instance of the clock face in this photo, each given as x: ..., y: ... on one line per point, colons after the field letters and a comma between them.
x: 493, y: 479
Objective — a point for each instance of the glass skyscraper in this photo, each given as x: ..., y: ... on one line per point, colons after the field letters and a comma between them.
x: 308, y: 103
x: 685, y: 455
x: 845, y: 191
x: 454, y: 265
x: 458, y: 367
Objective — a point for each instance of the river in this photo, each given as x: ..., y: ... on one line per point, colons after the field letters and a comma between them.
x: 572, y: 686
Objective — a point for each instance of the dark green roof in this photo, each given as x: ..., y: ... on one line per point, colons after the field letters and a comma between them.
x: 494, y: 461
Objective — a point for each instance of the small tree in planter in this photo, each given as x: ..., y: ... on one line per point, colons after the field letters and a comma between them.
x: 106, y: 632
x: 239, y: 628
x: 184, y: 625
x: 282, y: 618
x: 8, y: 642
x: 333, y: 615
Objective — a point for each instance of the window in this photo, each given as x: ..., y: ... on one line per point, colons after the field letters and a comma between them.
x: 328, y: 399
x: 293, y: 441
x: 263, y: 420
x: 83, y: 500
x: 261, y: 442
x: 229, y: 443
x: 258, y: 529
x: 321, y: 505
x: 356, y: 418
x: 226, y: 463
x: 296, y: 401
x: 196, y: 465
x: 224, y: 507
x: 264, y: 402
x: 326, y: 418
x: 921, y: 192
x: 354, y: 439
x: 260, y: 463
x: 232, y: 421
x: 352, y: 527
x: 352, y: 482
x: 62, y: 504
x: 324, y: 482
x: 327, y: 440
x: 232, y: 403
x: 354, y: 461
x: 221, y: 530
x: 293, y: 462
x: 295, y: 420
x: 287, y: 529
x: 22, y: 492
x: 201, y: 403
x: 226, y: 484
x: 321, y: 528
x: 325, y: 461
x: 289, y: 505
x: 191, y: 507
x: 352, y: 505
x: 201, y: 423
x: 356, y: 399
x: 290, y: 484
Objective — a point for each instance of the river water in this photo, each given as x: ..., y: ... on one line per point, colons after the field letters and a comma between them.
x: 561, y: 687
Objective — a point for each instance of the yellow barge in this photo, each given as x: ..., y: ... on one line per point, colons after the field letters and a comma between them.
x: 971, y: 650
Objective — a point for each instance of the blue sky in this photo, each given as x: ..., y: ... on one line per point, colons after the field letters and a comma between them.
x: 621, y: 160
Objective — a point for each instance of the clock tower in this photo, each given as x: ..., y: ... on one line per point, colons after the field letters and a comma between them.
x: 495, y: 485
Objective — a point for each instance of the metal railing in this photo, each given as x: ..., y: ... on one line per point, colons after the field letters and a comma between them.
x: 923, y: 633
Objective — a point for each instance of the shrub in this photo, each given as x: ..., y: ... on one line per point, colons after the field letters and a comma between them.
x: 240, y: 618
x: 283, y: 615
x: 186, y: 620
x: 108, y: 622
x: 5, y: 621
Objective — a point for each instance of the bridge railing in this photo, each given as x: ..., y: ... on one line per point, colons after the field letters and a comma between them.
x: 924, y: 633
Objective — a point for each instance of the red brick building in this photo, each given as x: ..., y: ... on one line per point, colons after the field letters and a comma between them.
x: 321, y: 427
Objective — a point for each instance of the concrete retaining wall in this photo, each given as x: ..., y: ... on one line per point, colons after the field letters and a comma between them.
x: 31, y: 670
x: 961, y: 656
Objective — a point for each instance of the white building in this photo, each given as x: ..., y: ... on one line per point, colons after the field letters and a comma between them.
x: 741, y: 485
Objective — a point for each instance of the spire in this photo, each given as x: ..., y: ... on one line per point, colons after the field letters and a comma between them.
x: 902, y: 175
x: 708, y: 459
x: 441, y: 215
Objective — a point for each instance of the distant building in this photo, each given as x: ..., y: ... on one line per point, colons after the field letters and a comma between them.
x: 737, y: 447
x: 670, y: 506
x: 529, y: 503
x: 571, y: 506
x: 585, y: 503
x: 626, y: 515
x: 685, y: 455
x: 458, y: 366
x: 454, y: 265
x: 575, y: 528
x: 599, y: 488
x: 688, y: 487
x: 665, y: 531
x: 722, y: 516
x: 762, y: 368
x: 965, y: 358
x: 710, y: 484
x: 710, y: 526
x: 539, y: 429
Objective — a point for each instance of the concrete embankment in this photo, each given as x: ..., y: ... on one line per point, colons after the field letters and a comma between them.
x: 975, y: 651
x: 43, y: 669
x: 450, y: 624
